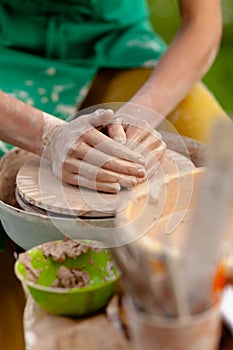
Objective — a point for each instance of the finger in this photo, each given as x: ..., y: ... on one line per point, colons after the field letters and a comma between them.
x: 151, y: 170
x: 155, y: 156
x: 153, y: 143
x: 151, y: 138
x: 100, y: 117
x: 108, y: 146
x: 93, y: 156
x: 135, y: 133
x: 150, y: 144
x: 95, y: 173
x: 150, y: 173
x: 117, y: 132
x: 80, y: 180
x: 133, y: 125
x: 142, y: 147
x: 153, y: 162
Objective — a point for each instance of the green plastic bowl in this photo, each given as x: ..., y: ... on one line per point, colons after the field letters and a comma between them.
x: 103, y: 278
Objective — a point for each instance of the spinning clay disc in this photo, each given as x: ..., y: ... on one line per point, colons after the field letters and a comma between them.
x: 38, y: 189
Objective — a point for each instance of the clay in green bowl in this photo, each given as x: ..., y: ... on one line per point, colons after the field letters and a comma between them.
x: 69, y: 278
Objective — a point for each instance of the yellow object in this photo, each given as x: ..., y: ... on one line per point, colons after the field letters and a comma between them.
x: 193, y: 117
x: 197, y: 113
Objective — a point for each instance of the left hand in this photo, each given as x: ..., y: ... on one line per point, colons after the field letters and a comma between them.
x: 82, y: 155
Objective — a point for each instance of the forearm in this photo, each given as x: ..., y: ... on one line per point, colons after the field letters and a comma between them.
x: 22, y: 125
x: 185, y: 62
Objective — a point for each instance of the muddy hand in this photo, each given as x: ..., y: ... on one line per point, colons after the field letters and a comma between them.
x: 139, y: 136
x: 82, y: 155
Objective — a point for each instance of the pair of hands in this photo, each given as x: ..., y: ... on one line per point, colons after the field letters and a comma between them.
x: 103, y: 152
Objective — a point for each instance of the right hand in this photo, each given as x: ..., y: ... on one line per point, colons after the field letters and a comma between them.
x: 134, y: 127
x: 82, y: 155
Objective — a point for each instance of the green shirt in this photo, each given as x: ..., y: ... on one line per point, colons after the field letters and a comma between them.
x: 50, y: 51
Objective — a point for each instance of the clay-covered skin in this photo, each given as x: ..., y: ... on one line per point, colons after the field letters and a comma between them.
x: 82, y: 155
x: 186, y: 60
x: 79, y: 153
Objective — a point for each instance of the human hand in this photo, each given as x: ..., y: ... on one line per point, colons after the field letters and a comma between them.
x: 130, y: 128
x: 82, y: 155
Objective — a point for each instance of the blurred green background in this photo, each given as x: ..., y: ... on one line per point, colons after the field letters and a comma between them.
x: 219, y: 79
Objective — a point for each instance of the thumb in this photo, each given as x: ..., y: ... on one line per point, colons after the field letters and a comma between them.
x: 100, y: 117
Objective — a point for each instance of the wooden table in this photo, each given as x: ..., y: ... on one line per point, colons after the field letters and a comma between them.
x: 44, y: 331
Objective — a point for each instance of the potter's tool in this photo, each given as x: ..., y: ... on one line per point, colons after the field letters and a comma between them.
x: 167, y: 287
x: 38, y: 190
x: 170, y: 292
x: 204, y: 235
x: 152, y: 291
x: 176, y: 285
x: 137, y: 279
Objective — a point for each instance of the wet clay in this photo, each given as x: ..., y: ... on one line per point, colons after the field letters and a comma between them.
x: 9, y: 167
x: 66, y: 278
x: 70, y: 278
x: 39, y: 187
x: 68, y: 249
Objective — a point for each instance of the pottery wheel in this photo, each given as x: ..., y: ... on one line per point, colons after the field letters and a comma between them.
x: 39, y: 190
